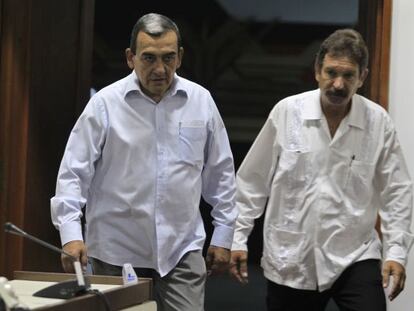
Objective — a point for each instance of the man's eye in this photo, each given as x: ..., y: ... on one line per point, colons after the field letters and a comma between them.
x: 348, y: 76
x: 168, y: 58
x: 148, y: 58
x: 331, y: 73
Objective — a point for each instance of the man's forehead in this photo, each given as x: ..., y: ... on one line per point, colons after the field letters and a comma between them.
x: 340, y: 61
x: 166, y: 38
x: 157, y: 45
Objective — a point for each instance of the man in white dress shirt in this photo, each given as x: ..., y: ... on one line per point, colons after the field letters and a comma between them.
x: 324, y: 165
x: 141, y: 155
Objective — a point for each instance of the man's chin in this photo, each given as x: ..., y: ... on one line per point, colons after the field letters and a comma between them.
x: 159, y: 89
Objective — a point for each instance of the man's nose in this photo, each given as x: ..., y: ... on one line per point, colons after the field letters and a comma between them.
x: 159, y: 66
x: 338, y: 83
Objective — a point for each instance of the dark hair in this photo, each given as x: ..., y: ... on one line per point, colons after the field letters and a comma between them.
x: 344, y: 43
x: 155, y: 25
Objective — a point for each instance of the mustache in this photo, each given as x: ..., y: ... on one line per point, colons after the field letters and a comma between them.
x: 338, y: 93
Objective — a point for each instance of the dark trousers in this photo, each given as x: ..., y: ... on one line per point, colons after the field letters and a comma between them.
x: 359, y: 288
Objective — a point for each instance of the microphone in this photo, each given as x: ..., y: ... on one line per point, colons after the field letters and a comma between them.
x: 62, y: 290
x: 11, y: 228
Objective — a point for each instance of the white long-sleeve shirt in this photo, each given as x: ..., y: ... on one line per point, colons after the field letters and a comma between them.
x: 322, y: 195
x: 140, y: 168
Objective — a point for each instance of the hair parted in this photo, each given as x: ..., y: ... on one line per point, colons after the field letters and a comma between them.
x: 344, y: 43
x: 155, y: 25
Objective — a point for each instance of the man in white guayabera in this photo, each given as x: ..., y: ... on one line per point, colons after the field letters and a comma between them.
x: 326, y: 163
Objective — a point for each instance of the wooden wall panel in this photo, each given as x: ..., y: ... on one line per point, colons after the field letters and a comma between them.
x: 14, y: 100
x: 375, y: 26
x: 46, y: 52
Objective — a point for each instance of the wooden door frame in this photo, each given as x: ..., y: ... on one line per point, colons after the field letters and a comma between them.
x: 375, y: 26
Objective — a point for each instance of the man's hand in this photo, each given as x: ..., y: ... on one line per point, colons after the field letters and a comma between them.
x: 238, y: 266
x: 217, y: 260
x: 76, y: 249
x: 397, y: 271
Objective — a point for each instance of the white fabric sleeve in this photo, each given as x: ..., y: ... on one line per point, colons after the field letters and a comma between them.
x: 254, y: 179
x: 397, y: 197
x: 77, y: 169
x: 218, y: 180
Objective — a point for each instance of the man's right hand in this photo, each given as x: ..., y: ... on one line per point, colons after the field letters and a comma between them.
x: 76, y: 249
x: 238, y: 266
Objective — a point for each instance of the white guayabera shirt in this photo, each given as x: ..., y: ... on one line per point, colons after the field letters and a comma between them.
x: 141, y: 168
x: 322, y: 195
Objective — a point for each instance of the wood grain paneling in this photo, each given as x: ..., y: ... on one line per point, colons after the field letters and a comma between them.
x: 14, y: 99
x: 46, y: 52
x: 375, y: 26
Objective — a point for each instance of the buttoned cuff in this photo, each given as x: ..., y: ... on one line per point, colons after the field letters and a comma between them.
x: 70, y: 231
x: 222, y: 237
x: 238, y: 247
x: 239, y: 241
x: 396, y: 253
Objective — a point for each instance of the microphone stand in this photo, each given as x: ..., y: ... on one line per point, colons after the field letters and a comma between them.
x: 11, y: 228
x: 62, y: 290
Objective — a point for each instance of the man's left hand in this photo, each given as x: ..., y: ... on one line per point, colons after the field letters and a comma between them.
x: 397, y: 271
x: 217, y: 260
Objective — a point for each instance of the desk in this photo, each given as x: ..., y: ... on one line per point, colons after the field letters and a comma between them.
x: 126, y: 298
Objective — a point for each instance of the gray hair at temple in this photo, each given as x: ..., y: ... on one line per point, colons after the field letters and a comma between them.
x: 344, y: 43
x: 154, y: 25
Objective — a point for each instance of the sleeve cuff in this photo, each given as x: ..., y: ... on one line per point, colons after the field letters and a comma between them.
x: 396, y: 253
x: 239, y: 247
x: 71, y: 231
x: 222, y: 237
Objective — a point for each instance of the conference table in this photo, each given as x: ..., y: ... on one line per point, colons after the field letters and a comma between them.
x: 135, y: 297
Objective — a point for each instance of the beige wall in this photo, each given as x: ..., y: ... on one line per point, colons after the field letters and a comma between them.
x: 401, y: 107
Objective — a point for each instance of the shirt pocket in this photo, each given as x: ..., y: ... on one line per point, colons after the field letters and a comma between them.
x: 192, y: 138
x: 358, y: 181
x: 286, y: 249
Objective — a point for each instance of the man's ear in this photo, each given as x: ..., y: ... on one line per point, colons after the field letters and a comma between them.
x: 180, y: 56
x: 362, y: 77
x: 317, y: 71
x: 129, y: 58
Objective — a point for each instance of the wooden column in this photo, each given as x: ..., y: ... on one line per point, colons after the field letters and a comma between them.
x: 375, y: 26
x: 46, y: 52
